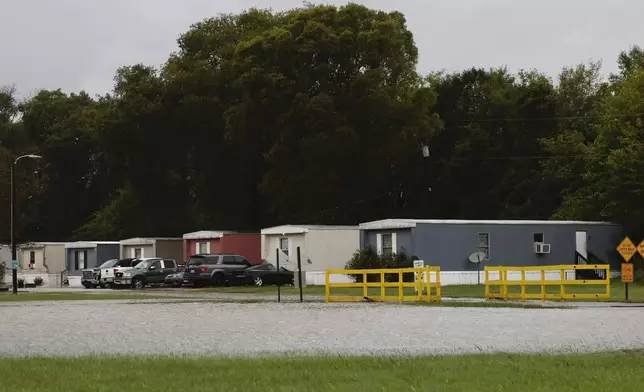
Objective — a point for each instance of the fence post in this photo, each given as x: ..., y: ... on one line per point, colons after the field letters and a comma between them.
x: 438, y: 285
x: 608, y: 281
x: 486, y: 273
x: 365, y: 288
x: 562, y: 277
x: 543, y: 285
x: 401, y: 289
x: 299, y: 274
x: 383, y: 292
x: 327, y: 289
x: 277, y: 254
x: 523, y: 286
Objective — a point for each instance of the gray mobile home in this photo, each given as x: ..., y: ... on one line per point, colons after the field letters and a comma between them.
x: 449, y: 243
x: 83, y: 254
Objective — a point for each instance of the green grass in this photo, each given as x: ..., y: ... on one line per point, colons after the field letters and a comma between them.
x: 615, y: 372
x: 22, y: 297
x: 635, y: 291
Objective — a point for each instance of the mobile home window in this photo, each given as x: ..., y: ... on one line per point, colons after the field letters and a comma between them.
x: 284, y: 245
x: 32, y: 257
x: 203, y: 248
x: 387, y: 244
x: 484, y: 244
x: 537, y: 237
x: 137, y: 253
x: 80, y: 257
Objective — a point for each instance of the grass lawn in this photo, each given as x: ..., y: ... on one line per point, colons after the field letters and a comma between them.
x: 22, y: 297
x: 635, y: 291
x: 615, y: 372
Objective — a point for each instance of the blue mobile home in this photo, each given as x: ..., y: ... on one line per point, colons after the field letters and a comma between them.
x: 449, y: 243
x: 82, y: 254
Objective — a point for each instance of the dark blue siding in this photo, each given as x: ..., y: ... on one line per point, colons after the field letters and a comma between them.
x: 106, y: 252
x: 449, y: 245
x: 71, y: 260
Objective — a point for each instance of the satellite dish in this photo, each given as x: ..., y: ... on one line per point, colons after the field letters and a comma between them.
x: 477, y: 257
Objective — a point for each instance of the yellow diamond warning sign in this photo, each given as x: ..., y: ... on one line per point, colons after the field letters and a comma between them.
x: 640, y: 249
x: 626, y: 248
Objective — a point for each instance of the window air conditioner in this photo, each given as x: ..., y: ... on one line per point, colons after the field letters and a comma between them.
x: 540, y: 247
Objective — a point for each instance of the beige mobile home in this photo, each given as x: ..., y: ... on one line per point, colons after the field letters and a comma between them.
x: 321, y: 248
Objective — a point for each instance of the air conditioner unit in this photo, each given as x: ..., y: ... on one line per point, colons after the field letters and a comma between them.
x: 540, y: 247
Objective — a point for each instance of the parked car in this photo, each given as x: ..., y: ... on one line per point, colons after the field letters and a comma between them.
x: 108, y: 274
x: 91, y: 277
x: 175, y: 280
x: 266, y: 274
x: 150, y: 271
x: 217, y: 269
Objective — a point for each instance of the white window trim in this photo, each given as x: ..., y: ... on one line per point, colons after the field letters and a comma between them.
x: 394, y: 242
x: 198, y: 245
x: 489, y: 244
x: 133, y: 251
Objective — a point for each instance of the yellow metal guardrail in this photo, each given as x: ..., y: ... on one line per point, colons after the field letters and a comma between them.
x: 547, y: 279
x: 427, y: 287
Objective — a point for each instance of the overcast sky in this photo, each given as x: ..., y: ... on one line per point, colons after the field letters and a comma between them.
x: 78, y: 44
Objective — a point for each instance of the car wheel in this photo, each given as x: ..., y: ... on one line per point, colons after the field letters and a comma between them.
x: 107, y: 285
x: 87, y: 285
x: 258, y: 281
x: 218, y: 280
x: 138, y: 284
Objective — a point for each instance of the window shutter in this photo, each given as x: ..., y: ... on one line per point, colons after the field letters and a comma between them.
x: 208, y: 247
x: 394, y: 244
x: 197, y: 248
x: 132, y: 252
x: 379, y: 243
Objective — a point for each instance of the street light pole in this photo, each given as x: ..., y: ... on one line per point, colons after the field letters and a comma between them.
x: 14, y: 258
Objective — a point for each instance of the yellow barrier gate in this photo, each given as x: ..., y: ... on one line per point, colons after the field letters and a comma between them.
x: 427, y: 286
x: 514, y: 282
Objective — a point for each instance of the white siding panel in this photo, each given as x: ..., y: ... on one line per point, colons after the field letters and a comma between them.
x: 329, y: 249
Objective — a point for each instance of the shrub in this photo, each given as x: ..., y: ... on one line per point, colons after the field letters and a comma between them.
x: 3, y: 271
x: 38, y: 281
x: 364, y: 259
x: 368, y: 259
x: 21, y: 283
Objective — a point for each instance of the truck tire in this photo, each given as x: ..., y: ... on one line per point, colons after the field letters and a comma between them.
x: 138, y: 284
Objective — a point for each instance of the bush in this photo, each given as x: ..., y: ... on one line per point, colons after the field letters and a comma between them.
x: 368, y: 259
x: 21, y: 283
x: 38, y: 281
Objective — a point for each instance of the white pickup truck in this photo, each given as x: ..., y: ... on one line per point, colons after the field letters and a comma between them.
x: 107, y: 274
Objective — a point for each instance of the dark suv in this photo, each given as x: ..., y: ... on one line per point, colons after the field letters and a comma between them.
x: 217, y: 269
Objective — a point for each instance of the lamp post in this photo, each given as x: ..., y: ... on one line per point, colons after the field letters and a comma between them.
x: 14, y: 258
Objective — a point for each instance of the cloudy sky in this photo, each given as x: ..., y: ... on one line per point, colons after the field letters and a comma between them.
x: 78, y: 44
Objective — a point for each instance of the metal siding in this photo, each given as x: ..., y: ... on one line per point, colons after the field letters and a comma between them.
x: 449, y: 245
x: 328, y: 249
x: 171, y: 249
x: 404, y: 240
x: 106, y: 252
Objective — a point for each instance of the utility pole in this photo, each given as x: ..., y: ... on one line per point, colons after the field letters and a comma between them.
x: 14, y: 258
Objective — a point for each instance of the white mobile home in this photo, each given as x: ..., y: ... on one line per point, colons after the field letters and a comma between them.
x: 321, y: 248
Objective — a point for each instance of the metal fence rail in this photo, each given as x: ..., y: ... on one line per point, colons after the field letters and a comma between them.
x: 515, y: 282
x: 425, y: 288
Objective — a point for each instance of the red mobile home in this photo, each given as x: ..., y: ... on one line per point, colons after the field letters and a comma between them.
x: 203, y: 242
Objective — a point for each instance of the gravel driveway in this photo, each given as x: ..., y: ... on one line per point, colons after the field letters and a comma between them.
x: 86, y: 327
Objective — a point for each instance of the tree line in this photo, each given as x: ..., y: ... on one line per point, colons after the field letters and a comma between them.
x: 318, y: 115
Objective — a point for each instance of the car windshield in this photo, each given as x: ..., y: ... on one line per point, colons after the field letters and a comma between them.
x: 109, y: 263
x: 144, y: 264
